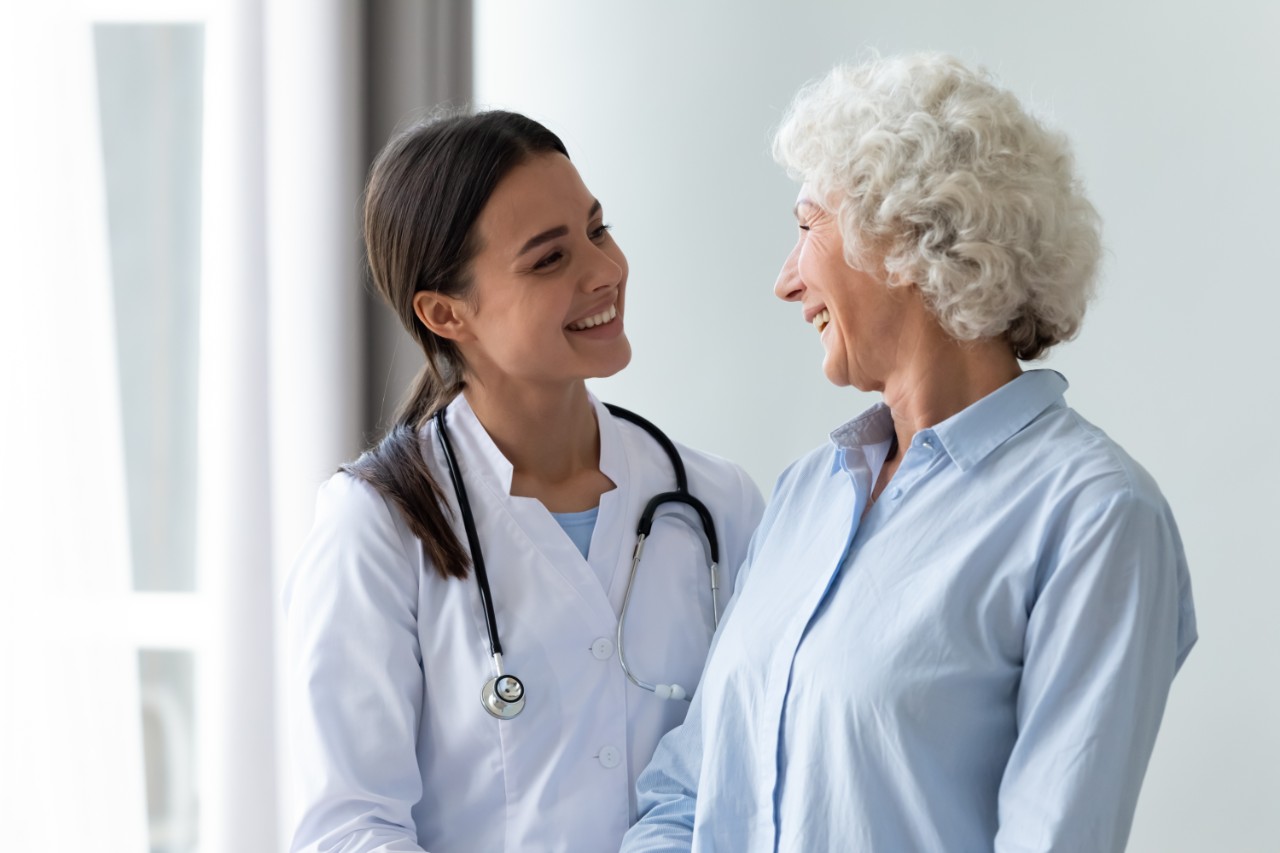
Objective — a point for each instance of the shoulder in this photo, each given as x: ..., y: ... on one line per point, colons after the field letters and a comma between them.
x: 357, y: 538
x: 716, y: 471
x: 348, y: 504
x: 725, y: 488
x: 713, y: 478
x: 1103, y: 509
x: 801, y: 486
x: 1075, y: 461
x: 806, y: 475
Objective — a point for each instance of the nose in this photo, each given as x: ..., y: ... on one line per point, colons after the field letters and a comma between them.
x: 609, y: 269
x: 789, y: 287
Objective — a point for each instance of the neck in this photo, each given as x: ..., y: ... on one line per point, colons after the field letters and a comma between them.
x: 548, y: 434
x: 937, y: 376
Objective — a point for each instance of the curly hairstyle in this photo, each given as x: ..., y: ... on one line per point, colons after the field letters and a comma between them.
x: 941, y: 179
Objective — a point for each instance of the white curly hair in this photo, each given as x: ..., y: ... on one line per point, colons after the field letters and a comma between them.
x: 941, y: 179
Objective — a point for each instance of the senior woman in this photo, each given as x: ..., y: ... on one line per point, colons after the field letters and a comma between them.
x: 958, y: 622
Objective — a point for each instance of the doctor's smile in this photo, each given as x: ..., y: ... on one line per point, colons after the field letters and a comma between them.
x: 597, y: 320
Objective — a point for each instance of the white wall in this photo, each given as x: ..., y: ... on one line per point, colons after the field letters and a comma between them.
x: 667, y: 109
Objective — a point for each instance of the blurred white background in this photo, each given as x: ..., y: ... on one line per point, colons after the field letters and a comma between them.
x: 186, y: 350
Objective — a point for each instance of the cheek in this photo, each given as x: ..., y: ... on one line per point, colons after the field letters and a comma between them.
x: 807, y: 269
x: 815, y: 268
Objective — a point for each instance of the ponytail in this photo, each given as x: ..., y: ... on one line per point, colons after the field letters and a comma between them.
x: 426, y: 189
x: 397, y: 468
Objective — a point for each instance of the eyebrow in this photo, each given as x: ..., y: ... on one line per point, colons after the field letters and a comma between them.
x: 804, y: 202
x: 555, y: 233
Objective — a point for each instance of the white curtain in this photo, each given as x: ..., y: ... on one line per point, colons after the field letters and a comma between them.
x: 238, y: 758
x: 70, y: 739
x: 315, y: 160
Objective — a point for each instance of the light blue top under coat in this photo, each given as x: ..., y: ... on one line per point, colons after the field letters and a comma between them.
x: 578, y: 526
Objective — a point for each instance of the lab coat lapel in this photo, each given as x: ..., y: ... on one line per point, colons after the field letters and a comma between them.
x: 614, y: 536
x: 543, y: 535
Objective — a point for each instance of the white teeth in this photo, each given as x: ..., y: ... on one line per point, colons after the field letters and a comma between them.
x: 821, y: 319
x: 595, y: 319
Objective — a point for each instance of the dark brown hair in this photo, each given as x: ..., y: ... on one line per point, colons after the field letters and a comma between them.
x: 426, y: 190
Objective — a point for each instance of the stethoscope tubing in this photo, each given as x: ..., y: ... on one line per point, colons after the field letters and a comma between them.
x: 473, y: 539
x: 503, y: 695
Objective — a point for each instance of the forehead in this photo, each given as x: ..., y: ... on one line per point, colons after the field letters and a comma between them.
x: 545, y: 191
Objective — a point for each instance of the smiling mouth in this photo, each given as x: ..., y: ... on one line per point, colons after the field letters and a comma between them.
x: 605, y: 316
x: 821, y: 319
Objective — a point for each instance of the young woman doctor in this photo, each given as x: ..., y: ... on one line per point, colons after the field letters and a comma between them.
x: 416, y: 726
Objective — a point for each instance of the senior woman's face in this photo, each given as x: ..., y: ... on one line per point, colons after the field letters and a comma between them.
x: 856, y: 315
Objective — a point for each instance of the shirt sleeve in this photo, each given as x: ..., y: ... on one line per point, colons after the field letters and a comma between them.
x: 354, y: 680
x: 1108, y: 630
x: 667, y: 790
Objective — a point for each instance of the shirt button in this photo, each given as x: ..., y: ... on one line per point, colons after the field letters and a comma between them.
x: 927, y: 444
x: 602, y: 648
x: 610, y: 757
x: 897, y: 493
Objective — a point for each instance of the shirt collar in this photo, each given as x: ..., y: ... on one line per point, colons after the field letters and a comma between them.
x: 873, y: 426
x: 971, y: 434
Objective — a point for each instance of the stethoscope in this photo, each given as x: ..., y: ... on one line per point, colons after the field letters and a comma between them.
x: 503, y: 694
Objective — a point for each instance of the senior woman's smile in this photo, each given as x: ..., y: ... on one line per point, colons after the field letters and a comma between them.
x: 860, y: 320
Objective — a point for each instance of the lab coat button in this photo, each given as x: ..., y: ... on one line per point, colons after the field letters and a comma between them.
x: 610, y: 757
x: 602, y: 648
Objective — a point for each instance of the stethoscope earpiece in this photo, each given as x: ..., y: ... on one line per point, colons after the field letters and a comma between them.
x: 503, y: 696
x: 669, y: 691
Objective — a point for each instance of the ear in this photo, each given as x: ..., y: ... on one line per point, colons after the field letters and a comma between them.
x: 445, y: 316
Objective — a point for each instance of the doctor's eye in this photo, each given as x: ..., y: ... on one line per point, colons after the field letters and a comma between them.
x: 548, y: 260
x: 599, y: 231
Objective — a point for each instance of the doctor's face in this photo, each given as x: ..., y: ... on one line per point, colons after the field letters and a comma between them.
x: 857, y: 316
x: 548, y: 281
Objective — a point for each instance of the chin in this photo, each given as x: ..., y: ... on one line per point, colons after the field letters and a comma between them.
x: 836, y: 375
x: 615, y: 364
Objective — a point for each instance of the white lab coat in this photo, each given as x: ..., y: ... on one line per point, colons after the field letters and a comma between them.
x: 392, y: 749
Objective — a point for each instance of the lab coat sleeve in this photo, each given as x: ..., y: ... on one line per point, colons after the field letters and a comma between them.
x: 354, y: 677
x: 1109, y: 627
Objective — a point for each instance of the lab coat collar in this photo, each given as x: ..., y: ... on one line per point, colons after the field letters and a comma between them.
x: 613, y: 460
x: 471, y: 442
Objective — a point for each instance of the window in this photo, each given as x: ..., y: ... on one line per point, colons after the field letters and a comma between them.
x: 149, y: 85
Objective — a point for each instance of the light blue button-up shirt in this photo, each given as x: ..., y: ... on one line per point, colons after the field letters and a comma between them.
x: 979, y: 663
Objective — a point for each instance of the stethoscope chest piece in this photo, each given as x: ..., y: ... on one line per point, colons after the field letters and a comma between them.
x: 503, y: 696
